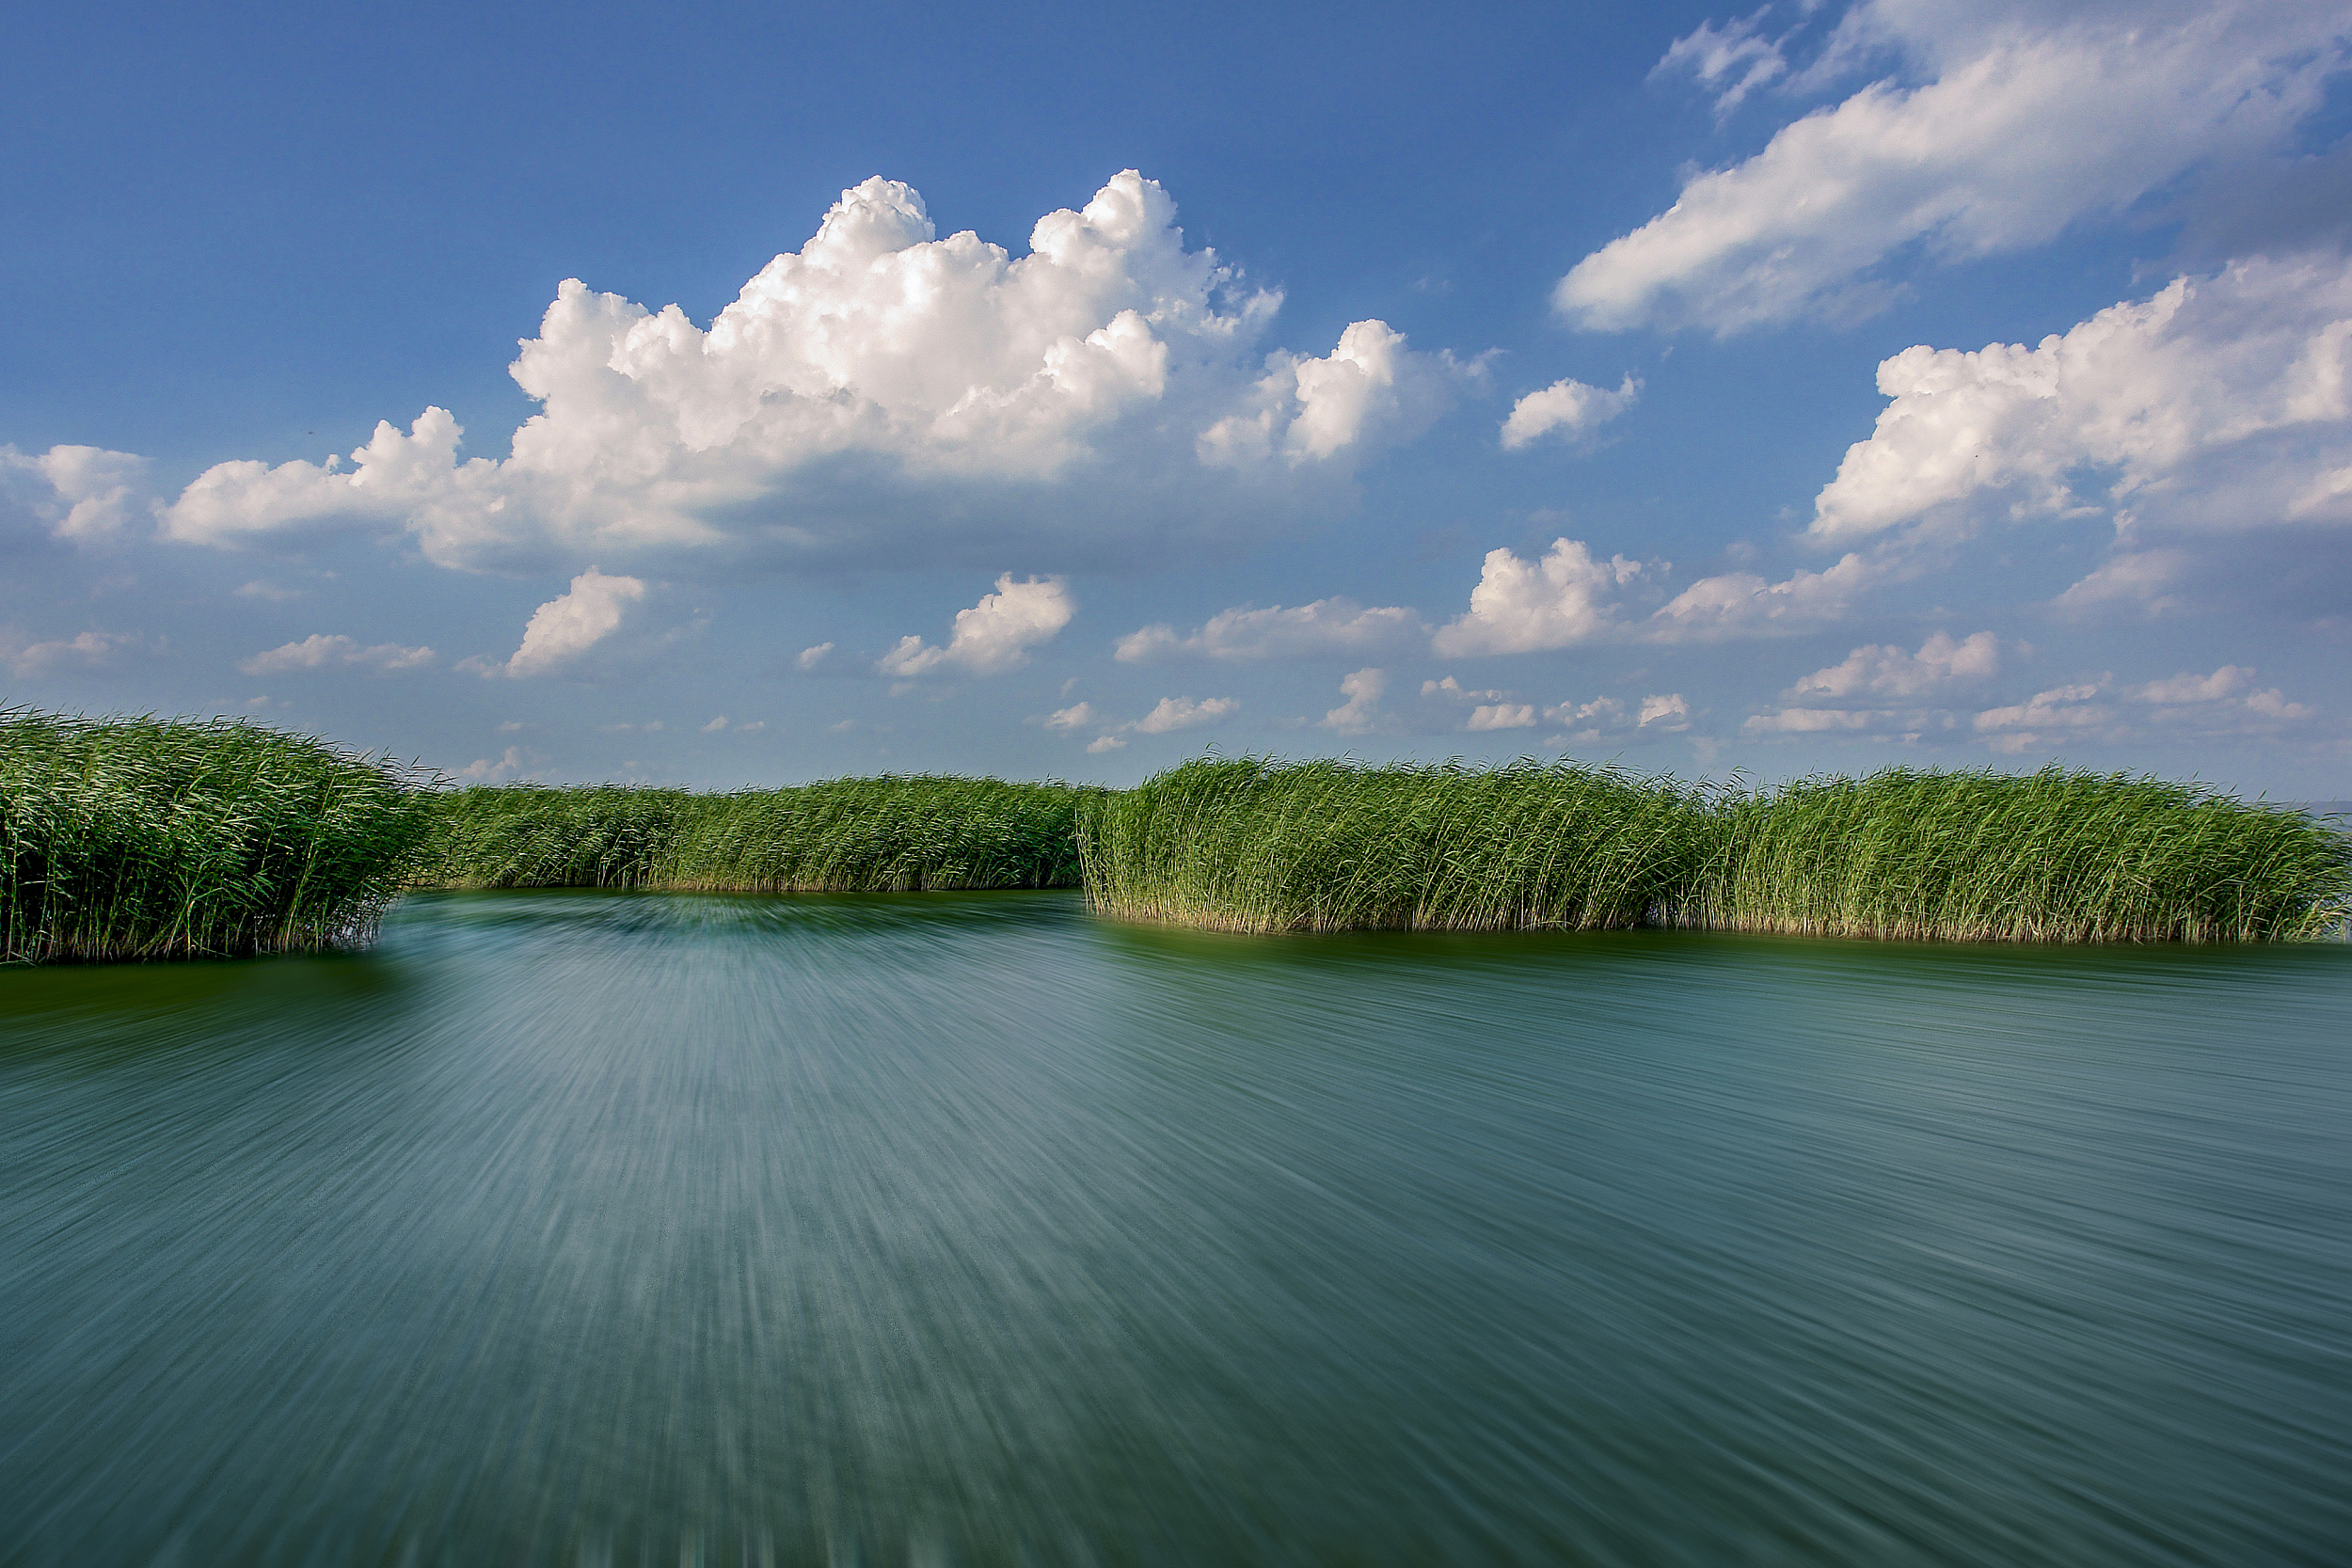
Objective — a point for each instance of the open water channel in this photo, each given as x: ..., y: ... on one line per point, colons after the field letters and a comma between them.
x: 607, y: 1228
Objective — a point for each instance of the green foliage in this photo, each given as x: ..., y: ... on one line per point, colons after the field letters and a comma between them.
x: 2054, y: 856
x: 1256, y: 845
x: 844, y: 835
x: 143, y: 838
x: 1265, y: 846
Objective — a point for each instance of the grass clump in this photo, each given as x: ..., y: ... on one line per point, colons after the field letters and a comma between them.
x: 895, y: 833
x: 144, y: 838
x: 2054, y: 856
x: 1258, y: 844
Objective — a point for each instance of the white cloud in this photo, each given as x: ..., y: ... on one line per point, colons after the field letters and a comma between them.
x: 83, y: 495
x: 516, y: 763
x: 1183, y: 713
x: 336, y: 652
x: 1361, y: 712
x: 2217, y: 403
x: 1526, y: 606
x: 882, y: 388
x: 1078, y: 716
x: 1730, y: 61
x: 1566, y: 408
x: 1102, y: 743
x: 716, y: 726
x: 1742, y: 602
x: 566, y: 628
x: 994, y: 635
x: 1657, y: 710
x: 1333, y: 625
x: 1809, y: 721
x: 2023, y: 120
x: 2228, y: 681
x: 1881, y: 670
x: 91, y: 650
x: 1501, y: 715
x: 809, y: 659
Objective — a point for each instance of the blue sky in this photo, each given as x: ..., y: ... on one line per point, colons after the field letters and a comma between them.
x: 1796, y: 388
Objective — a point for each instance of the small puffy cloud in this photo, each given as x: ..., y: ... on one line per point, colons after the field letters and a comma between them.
x: 2022, y: 123
x: 880, y: 395
x: 1607, y: 717
x: 1809, y: 721
x: 1361, y: 714
x: 1333, y: 625
x: 336, y: 652
x: 1183, y: 713
x: 516, y: 763
x: 716, y: 726
x: 1566, y: 408
x: 566, y: 628
x: 1742, y: 602
x: 2062, y: 710
x: 2228, y: 681
x: 994, y: 635
x: 1668, y: 712
x: 89, y: 650
x: 82, y: 495
x: 1501, y: 715
x: 809, y: 659
x: 1885, y: 671
x: 1106, y: 742
x: 1523, y: 605
x: 1075, y: 717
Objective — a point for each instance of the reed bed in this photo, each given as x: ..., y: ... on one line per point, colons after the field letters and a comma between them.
x: 2054, y: 856
x: 895, y: 833
x: 1256, y: 844
x: 145, y: 838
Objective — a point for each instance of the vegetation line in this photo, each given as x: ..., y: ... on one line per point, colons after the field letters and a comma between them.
x: 151, y: 839
x: 845, y: 835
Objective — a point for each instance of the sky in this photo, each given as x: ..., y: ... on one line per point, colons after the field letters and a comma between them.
x: 756, y: 395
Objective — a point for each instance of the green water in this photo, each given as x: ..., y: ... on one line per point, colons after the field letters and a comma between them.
x: 579, y: 1228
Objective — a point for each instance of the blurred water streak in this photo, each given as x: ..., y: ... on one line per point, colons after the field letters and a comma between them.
x: 590, y: 1228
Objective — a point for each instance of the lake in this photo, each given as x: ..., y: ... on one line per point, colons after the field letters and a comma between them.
x: 581, y: 1228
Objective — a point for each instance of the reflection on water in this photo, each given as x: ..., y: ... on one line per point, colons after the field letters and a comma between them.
x: 607, y: 1228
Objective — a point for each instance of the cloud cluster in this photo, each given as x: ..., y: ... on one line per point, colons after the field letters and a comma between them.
x: 82, y: 495
x: 883, y: 387
x: 1325, y: 626
x: 994, y: 635
x: 2223, y: 705
x: 1998, y: 126
x: 336, y: 652
x: 1571, y: 598
x: 25, y: 656
x: 2217, y: 407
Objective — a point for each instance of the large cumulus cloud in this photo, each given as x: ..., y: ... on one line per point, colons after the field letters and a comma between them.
x: 883, y: 390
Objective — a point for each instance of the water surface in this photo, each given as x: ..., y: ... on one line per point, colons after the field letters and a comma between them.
x: 604, y: 1229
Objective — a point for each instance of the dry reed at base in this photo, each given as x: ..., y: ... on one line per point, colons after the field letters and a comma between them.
x: 1254, y: 845
x: 142, y: 838
x: 845, y: 835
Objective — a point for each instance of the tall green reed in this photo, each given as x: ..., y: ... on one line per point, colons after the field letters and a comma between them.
x: 146, y: 838
x: 1258, y: 845
x: 894, y: 833
x: 2053, y: 856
